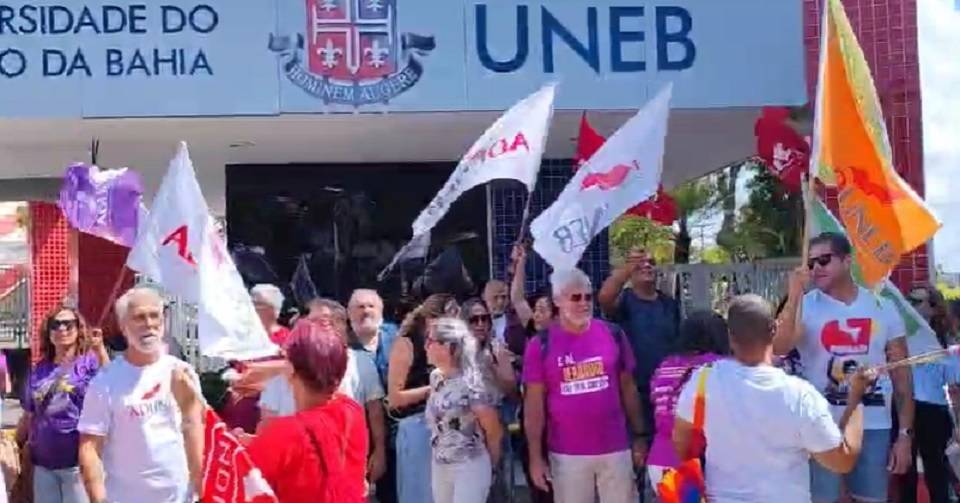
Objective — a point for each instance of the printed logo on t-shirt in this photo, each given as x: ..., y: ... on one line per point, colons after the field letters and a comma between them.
x: 149, y: 404
x: 587, y: 376
x: 838, y: 372
x: 848, y: 337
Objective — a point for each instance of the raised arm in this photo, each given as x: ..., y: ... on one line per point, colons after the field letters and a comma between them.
x: 609, y: 295
x: 518, y: 294
x: 401, y: 358
x: 789, y: 330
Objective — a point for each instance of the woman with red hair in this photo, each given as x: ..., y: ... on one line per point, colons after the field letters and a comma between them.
x: 318, y: 454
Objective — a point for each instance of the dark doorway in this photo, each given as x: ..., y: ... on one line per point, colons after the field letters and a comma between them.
x: 345, y: 221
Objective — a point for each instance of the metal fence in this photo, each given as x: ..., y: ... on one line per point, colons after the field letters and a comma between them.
x: 707, y: 286
x: 14, y: 307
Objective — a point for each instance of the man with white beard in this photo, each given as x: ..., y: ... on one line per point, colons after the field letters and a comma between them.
x: 368, y: 331
x: 141, y: 429
x: 371, y: 335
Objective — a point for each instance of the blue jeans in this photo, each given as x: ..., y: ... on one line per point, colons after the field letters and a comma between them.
x: 58, y: 486
x: 869, y: 478
x: 414, y: 461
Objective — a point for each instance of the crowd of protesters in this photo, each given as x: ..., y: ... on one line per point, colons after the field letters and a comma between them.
x: 355, y: 408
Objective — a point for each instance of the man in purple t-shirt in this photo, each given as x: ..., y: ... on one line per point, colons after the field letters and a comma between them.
x: 579, y: 385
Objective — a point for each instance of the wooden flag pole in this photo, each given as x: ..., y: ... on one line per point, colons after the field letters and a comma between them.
x: 807, y: 186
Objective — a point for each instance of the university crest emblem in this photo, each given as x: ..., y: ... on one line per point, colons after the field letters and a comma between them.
x: 351, y: 53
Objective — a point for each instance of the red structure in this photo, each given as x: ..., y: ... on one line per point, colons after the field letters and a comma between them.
x: 49, y: 264
x: 887, y: 30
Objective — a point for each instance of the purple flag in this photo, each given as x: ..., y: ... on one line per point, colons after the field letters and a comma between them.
x: 102, y: 203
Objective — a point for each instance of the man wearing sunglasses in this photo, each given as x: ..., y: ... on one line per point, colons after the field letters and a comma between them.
x: 842, y: 328
x: 579, y: 385
x: 650, y: 317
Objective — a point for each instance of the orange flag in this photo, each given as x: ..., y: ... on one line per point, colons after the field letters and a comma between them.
x: 883, y: 216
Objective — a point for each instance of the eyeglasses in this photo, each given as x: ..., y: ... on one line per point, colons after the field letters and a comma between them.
x: 479, y: 318
x: 822, y: 260
x: 58, y: 324
x: 581, y: 297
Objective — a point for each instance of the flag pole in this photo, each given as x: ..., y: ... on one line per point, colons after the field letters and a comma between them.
x: 807, y: 188
x: 112, y: 297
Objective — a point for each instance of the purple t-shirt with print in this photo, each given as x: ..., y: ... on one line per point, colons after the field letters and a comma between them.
x: 665, y: 387
x: 55, y: 398
x: 581, y: 378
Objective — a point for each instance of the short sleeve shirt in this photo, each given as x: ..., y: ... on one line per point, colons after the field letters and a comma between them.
x: 838, y: 338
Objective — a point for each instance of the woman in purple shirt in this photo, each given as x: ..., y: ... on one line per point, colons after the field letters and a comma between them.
x: 703, y: 339
x: 70, y: 357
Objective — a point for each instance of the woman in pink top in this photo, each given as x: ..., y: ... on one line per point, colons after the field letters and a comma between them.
x: 703, y: 339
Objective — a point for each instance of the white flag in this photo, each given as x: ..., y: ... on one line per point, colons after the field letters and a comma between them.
x: 510, y: 148
x: 624, y: 172
x: 180, y: 248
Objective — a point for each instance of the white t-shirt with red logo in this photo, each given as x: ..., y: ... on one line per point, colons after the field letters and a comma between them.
x: 143, y: 453
x: 838, y: 338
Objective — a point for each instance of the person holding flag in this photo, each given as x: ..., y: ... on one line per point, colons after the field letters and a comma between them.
x: 842, y: 327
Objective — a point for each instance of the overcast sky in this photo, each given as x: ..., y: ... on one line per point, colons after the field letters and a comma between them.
x: 939, y: 38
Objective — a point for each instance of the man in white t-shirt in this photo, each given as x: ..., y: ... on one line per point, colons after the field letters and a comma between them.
x: 761, y: 425
x: 141, y: 431
x: 843, y: 327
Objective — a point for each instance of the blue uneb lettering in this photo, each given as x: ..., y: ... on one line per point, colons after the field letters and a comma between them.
x: 550, y: 26
x: 523, y: 41
x: 681, y: 36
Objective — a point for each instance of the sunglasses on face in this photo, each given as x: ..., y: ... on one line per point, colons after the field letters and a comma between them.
x: 822, y: 260
x: 58, y: 324
x: 479, y: 318
x: 581, y: 297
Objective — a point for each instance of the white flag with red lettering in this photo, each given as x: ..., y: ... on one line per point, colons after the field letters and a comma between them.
x: 625, y: 171
x: 510, y: 148
x: 180, y: 248
x: 229, y: 475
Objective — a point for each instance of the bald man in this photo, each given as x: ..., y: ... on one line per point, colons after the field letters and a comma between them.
x: 762, y: 425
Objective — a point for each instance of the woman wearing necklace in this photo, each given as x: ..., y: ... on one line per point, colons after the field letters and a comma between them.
x: 70, y: 357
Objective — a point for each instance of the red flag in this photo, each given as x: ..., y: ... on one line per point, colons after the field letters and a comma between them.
x: 588, y: 142
x: 229, y: 475
x: 783, y: 150
x: 660, y: 208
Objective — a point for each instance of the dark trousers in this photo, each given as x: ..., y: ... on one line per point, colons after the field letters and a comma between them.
x: 933, y: 428
x: 386, y: 489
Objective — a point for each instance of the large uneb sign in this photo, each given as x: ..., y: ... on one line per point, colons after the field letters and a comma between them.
x: 127, y: 58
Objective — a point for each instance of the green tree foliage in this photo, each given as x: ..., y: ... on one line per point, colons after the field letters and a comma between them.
x: 770, y: 224
x: 630, y: 232
x: 694, y: 200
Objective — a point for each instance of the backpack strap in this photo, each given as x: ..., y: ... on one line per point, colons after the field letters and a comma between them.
x: 620, y: 337
x: 700, y: 399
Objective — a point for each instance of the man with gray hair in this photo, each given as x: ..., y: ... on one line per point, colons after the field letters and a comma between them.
x: 141, y: 430
x: 577, y: 373
x: 268, y: 301
x: 762, y: 425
